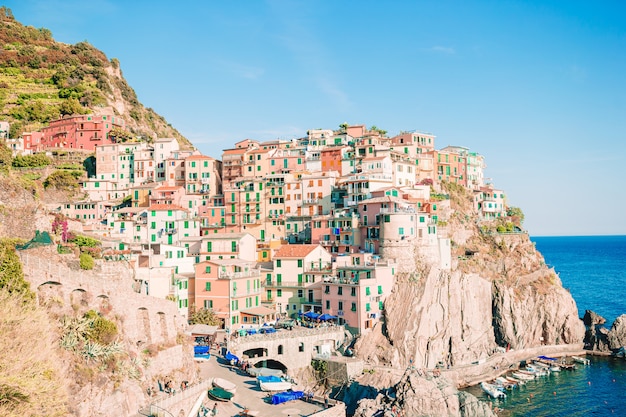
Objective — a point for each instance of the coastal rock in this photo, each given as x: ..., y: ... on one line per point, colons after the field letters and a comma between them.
x: 596, y: 335
x: 592, y: 319
x: 536, y: 310
x: 421, y: 394
x: 617, y: 335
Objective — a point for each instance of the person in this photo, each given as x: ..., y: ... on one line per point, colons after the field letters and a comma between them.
x: 214, y: 411
x: 326, y: 401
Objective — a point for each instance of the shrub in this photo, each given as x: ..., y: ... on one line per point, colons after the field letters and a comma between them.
x: 61, y: 180
x: 31, y: 161
x: 86, y: 261
x: 101, y: 330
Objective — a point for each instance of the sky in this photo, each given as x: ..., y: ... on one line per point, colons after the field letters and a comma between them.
x: 537, y: 87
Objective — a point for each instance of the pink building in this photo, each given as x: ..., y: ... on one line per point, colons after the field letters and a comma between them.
x: 85, y: 131
x: 232, y: 289
x: 357, y: 293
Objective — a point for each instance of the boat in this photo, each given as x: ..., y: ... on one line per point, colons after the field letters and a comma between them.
x: 583, y: 361
x: 252, y: 371
x: 219, y: 394
x: 201, y: 357
x: 505, y: 382
x: 273, y: 383
x: 492, y: 390
x: 515, y: 380
x: 225, y: 385
x: 555, y: 368
x: 523, y: 375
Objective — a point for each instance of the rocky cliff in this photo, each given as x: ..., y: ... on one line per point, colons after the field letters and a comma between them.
x: 498, y: 295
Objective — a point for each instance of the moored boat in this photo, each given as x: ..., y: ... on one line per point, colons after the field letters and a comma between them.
x: 525, y: 376
x: 273, y: 383
x: 583, y: 361
x: 492, y: 390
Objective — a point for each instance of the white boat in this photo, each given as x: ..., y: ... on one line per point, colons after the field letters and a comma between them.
x: 225, y: 385
x: 523, y: 376
x: 515, y: 380
x: 492, y: 390
x: 578, y: 359
x: 555, y: 368
x: 273, y: 383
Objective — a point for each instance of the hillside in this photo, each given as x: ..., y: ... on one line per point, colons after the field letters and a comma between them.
x: 42, y: 79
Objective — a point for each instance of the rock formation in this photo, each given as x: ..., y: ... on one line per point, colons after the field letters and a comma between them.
x: 499, y: 294
x: 599, y: 338
x: 421, y: 394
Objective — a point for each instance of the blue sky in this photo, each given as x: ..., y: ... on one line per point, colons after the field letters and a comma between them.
x: 538, y: 88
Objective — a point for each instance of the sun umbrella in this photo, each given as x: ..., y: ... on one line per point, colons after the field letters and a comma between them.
x: 311, y: 315
x: 325, y: 317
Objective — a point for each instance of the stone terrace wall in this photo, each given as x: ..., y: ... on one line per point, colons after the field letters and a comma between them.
x: 145, y: 320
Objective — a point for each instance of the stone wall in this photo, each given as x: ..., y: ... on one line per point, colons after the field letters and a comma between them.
x: 108, y: 288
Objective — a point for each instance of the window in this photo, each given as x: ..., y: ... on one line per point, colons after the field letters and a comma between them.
x: 380, y: 289
x: 279, y: 293
x: 339, y: 290
x: 353, y: 291
x: 327, y: 289
x: 280, y: 349
x: 353, y: 308
x: 367, y: 290
x: 207, y: 269
x: 300, y: 293
x: 278, y: 263
x: 340, y: 306
x: 209, y: 246
x: 207, y: 286
x: 327, y: 304
x: 301, y: 347
x: 299, y: 263
x: 233, y: 246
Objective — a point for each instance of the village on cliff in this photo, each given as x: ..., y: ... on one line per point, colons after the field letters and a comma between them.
x: 318, y: 225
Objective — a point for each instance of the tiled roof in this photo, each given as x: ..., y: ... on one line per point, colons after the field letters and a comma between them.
x: 162, y: 207
x: 196, y: 157
x: 294, y: 251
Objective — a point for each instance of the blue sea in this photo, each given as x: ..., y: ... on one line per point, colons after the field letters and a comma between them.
x: 593, y: 268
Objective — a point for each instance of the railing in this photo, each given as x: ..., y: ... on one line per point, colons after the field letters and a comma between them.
x: 296, y: 333
x: 166, y: 402
x: 242, y: 274
x: 408, y: 210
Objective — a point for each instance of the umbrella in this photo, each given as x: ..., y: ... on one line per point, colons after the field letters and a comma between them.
x: 311, y: 315
x: 325, y: 317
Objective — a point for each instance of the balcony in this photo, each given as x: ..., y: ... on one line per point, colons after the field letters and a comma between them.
x: 324, y: 268
x: 239, y: 274
x: 170, y: 231
x: 310, y: 201
x: 283, y: 284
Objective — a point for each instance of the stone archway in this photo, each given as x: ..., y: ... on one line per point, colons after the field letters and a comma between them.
x: 256, y: 353
x: 103, y: 304
x: 272, y: 364
x: 50, y: 294
x: 144, y: 333
x: 79, y: 299
x: 162, y: 326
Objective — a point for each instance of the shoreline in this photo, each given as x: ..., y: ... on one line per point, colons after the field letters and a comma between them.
x: 472, y: 374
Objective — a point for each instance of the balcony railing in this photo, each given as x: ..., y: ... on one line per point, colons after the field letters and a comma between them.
x: 240, y: 274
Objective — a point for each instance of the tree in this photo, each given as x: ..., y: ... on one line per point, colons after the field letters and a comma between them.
x: 204, y: 316
x: 11, y: 274
x: 516, y: 212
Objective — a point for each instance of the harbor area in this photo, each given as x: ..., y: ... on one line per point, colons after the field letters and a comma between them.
x: 250, y: 400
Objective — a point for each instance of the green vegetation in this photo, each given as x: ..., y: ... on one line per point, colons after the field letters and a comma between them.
x: 11, y: 275
x: 100, y: 329
x: 203, y: 316
x: 42, y: 80
x: 31, y: 161
x: 86, y: 261
x: 517, y: 214
x: 63, y: 180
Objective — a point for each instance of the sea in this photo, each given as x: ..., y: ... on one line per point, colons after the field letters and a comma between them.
x: 593, y: 269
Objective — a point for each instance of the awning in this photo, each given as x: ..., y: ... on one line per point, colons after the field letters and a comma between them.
x: 259, y: 311
x: 202, y: 329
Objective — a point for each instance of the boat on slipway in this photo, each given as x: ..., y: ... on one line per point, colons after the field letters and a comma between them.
x: 273, y: 383
x: 225, y: 385
x: 492, y: 390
